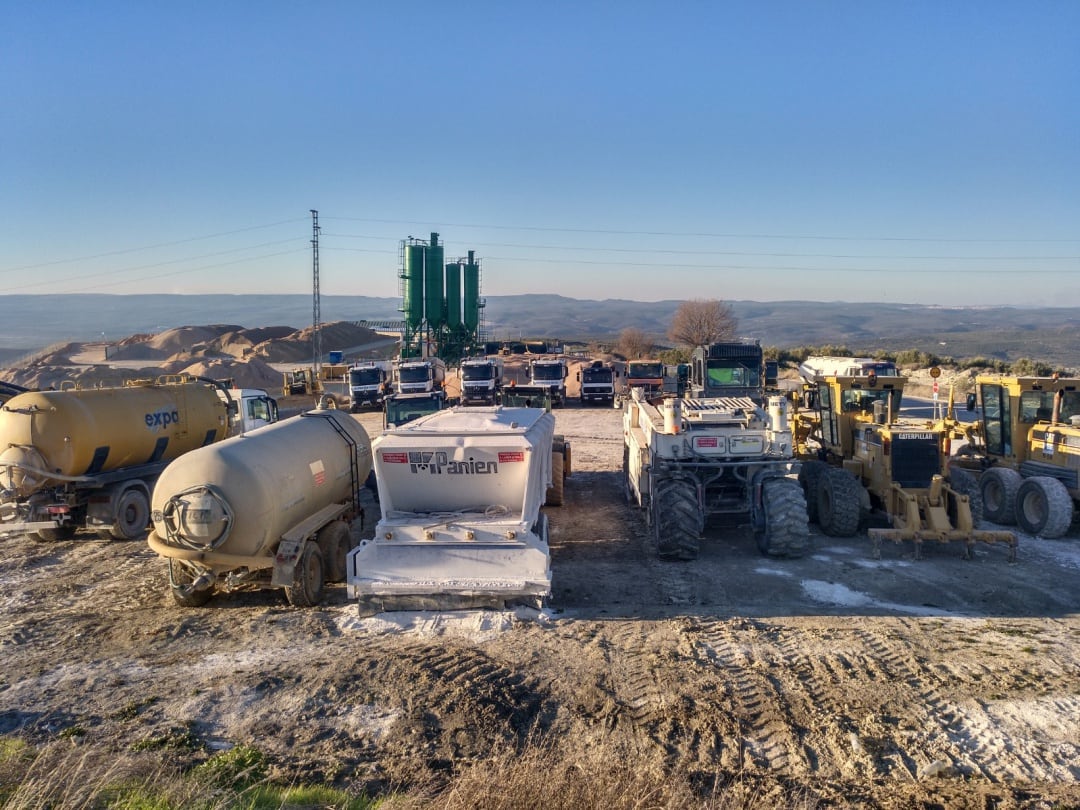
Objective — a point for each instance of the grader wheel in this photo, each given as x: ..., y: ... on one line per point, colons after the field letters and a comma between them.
x: 999, y: 487
x: 1044, y: 507
x: 785, y: 531
x: 838, y: 503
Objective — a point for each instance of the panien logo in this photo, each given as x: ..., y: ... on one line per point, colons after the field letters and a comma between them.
x: 437, y: 462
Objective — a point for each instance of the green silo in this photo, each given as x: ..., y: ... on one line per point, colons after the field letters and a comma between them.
x: 434, y: 303
x: 453, y: 295
x: 413, y: 284
x: 472, y: 294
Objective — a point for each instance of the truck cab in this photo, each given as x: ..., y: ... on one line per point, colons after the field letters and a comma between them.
x: 598, y: 382
x: 419, y: 375
x: 550, y: 373
x: 725, y: 370
x: 481, y: 379
x: 370, y: 383
x: 250, y: 408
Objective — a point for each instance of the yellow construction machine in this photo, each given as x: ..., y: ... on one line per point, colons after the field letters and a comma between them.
x: 858, y: 455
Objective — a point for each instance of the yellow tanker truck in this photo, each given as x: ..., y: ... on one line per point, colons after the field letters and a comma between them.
x: 88, y: 458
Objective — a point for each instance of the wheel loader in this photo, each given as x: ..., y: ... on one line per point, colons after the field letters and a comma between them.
x: 858, y: 455
x: 1025, y: 451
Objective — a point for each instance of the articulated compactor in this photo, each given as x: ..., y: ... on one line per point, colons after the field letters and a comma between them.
x: 461, y: 493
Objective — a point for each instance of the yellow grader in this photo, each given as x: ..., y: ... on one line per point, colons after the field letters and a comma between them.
x: 858, y: 455
x: 1025, y: 451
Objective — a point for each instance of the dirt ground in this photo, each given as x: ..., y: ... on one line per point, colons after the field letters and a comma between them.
x: 889, y: 683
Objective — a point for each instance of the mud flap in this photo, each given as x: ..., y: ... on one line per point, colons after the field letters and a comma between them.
x: 288, y: 553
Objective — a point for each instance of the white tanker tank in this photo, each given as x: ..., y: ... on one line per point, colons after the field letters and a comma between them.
x: 271, y: 508
x: 460, y: 492
x: 88, y: 457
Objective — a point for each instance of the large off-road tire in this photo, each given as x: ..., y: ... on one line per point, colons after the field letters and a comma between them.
x: 809, y: 475
x: 965, y: 483
x: 555, y: 491
x: 308, y: 579
x: 677, y: 519
x: 335, y: 543
x: 999, y: 486
x: 132, y: 515
x: 785, y: 530
x: 182, y: 575
x: 1044, y: 507
x: 838, y: 502
x: 65, y: 532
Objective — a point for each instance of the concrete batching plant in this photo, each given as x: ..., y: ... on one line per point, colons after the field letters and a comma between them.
x: 441, y: 302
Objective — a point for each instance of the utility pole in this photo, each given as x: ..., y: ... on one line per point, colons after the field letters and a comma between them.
x: 316, y: 316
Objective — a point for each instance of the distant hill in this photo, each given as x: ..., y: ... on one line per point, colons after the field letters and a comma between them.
x: 32, y: 322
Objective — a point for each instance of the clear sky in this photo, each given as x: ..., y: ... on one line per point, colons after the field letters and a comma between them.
x: 915, y: 152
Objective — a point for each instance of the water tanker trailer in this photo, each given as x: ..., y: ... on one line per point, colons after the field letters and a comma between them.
x: 89, y: 457
x: 460, y: 492
x: 272, y: 508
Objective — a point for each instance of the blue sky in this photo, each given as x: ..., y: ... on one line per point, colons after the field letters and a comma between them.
x: 917, y: 152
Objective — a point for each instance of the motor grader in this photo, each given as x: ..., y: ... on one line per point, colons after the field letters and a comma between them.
x: 858, y: 455
x: 1025, y: 451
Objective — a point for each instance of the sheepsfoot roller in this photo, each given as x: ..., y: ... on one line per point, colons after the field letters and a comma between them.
x: 460, y: 492
x: 938, y: 514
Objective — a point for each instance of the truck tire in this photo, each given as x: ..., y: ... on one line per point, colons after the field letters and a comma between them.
x: 809, y: 476
x: 999, y: 486
x: 65, y: 532
x: 181, y: 575
x: 838, y: 503
x: 1044, y: 507
x: 965, y: 483
x: 132, y: 515
x: 785, y: 531
x: 308, y: 579
x: 677, y: 519
x: 335, y: 543
x: 555, y: 491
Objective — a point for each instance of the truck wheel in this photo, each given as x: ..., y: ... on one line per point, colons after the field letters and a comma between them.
x: 1044, y: 507
x: 999, y: 486
x: 181, y: 575
x: 838, y: 509
x: 308, y: 579
x: 964, y: 483
x: 555, y: 491
x: 677, y: 520
x: 65, y: 532
x: 132, y: 515
x: 335, y: 543
x: 809, y: 476
x: 785, y: 530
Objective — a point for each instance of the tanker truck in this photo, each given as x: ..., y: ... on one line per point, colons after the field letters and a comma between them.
x: 88, y: 458
x: 273, y: 508
x: 460, y: 492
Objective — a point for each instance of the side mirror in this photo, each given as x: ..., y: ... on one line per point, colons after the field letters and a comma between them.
x: 970, y: 401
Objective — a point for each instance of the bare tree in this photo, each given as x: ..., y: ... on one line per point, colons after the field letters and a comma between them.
x: 699, y: 323
x: 633, y: 343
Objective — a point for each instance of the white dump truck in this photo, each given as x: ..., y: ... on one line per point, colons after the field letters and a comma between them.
x: 370, y: 382
x: 272, y: 508
x: 419, y: 375
x: 88, y: 458
x: 481, y: 380
x: 460, y: 493
x: 549, y: 374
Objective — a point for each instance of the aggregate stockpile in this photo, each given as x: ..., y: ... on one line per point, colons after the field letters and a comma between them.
x: 461, y: 526
x: 727, y: 451
x: 88, y: 458
x: 272, y: 508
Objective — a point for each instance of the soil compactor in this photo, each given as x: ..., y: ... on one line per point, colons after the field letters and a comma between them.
x: 272, y: 508
x: 727, y: 451
x: 857, y: 455
x: 461, y: 493
x: 1025, y: 451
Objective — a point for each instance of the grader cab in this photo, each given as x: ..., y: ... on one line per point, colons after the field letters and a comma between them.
x: 858, y: 456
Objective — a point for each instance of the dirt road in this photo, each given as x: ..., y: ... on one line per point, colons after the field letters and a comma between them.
x: 888, y: 683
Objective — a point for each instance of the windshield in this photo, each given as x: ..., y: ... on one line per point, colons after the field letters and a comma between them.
x: 415, y: 374
x: 645, y: 370
x: 398, y: 412
x: 1038, y: 406
x: 862, y: 399
x: 547, y: 372
x: 365, y: 376
x: 485, y: 372
x: 596, y: 375
x: 728, y: 373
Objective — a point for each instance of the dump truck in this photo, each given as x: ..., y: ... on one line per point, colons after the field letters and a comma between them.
x: 688, y: 459
x: 275, y: 508
x: 1025, y: 451
x: 648, y: 375
x: 859, y: 456
x: 548, y: 374
x: 461, y: 493
x: 419, y: 375
x: 481, y: 380
x: 88, y: 458
x: 370, y: 383
x: 598, y: 382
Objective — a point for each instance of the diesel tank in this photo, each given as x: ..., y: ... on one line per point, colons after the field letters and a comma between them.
x: 272, y: 508
x: 89, y: 457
